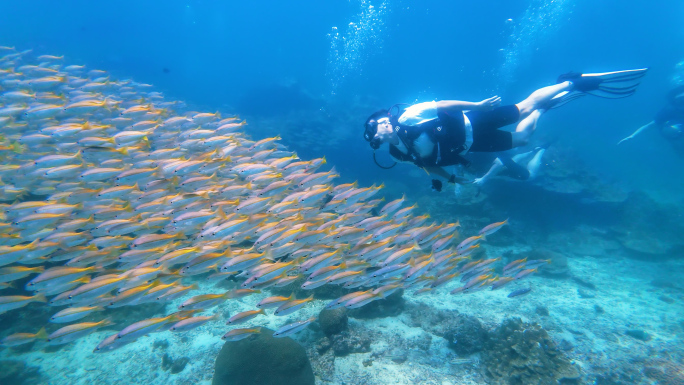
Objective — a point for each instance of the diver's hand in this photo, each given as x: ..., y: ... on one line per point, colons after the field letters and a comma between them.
x: 489, y: 104
x: 479, y: 181
x: 625, y: 139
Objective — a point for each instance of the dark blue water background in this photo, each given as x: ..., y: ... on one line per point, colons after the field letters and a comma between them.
x: 224, y: 55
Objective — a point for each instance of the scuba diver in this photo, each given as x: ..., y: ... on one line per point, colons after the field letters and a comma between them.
x: 669, y: 121
x: 436, y: 134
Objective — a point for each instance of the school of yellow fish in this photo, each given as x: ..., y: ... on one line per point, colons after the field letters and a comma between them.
x: 115, y: 197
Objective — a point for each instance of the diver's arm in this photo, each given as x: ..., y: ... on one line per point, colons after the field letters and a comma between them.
x: 637, y: 132
x: 458, y: 105
x: 451, y: 178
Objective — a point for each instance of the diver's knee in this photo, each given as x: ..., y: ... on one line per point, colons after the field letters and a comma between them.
x: 525, y: 108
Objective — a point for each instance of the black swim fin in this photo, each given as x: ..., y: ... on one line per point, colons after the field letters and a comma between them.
x: 610, y: 85
x: 517, y: 171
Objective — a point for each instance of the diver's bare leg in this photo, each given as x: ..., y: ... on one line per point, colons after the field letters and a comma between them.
x: 525, y: 129
x: 519, y: 158
x: 497, y: 166
x: 540, y: 97
x: 534, y: 164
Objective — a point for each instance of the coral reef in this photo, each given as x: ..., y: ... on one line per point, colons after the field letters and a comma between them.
x: 323, y: 352
x: 322, y: 362
x: 355, y: 340
x: 333, y: 321
x: 349, y: 342
x: 264, y: 360
x: 464, y: 334
x: 524, y: 354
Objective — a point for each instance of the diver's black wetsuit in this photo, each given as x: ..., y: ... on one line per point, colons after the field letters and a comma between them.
x: 486, y: 135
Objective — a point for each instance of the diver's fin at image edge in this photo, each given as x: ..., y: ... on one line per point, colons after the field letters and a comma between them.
x: 606, y: 76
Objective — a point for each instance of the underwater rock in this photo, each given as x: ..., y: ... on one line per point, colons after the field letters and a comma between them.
x: 322, y: 362
x: 542, y: 311
x: 421, y: 342
x: 565, y: 186
x: 638, y: 334
x: 398, y: 356
x: 584, y: 283
x: 619, y: 375
x: 666, y: 299
x: 649, y: 228
x: 263, y: 360
x: 643, y: 244
x: 586, y: 241
x: 585, y: 294
x: 664, y: 283
x: 32, y: 317
x: 464, y: 334
x: 176, y: 366
x: 323, y: 345
x: 664, y: 372
x: 391, y: 306
x: 333, y: 321
x: 565, y: 345
x: 14, y: 372
x: 598, y: 309
x: 161, y: 344
x: 357, y: 340
x: 567, y: 174
x: 519, y: 353
x: 618, y: 378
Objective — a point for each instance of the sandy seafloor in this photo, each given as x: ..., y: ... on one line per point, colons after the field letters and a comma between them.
x: 624, y: 291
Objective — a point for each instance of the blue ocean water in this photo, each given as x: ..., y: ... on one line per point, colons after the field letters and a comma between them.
x: 312, y: 71
x: 219, y: 55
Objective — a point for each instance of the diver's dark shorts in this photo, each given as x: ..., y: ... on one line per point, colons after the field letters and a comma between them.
x: 486, y: 134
